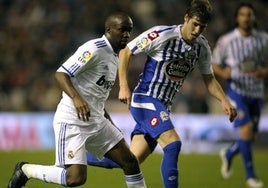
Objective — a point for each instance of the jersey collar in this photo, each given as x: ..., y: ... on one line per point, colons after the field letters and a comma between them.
x: 108, y: 44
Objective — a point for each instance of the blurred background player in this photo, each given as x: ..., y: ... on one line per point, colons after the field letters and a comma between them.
x: 86, y: 79
x: 240, y: 57
x: 172, y: 53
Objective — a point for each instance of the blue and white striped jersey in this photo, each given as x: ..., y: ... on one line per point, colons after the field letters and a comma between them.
x: 169, y: 60
x: 243, y: 54
x: 92, y: 69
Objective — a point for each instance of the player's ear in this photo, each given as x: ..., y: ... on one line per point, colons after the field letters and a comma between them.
x: 186, y: 18
x: 108, y: 29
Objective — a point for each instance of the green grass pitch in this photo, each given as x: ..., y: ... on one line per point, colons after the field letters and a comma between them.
x: 196, y: 171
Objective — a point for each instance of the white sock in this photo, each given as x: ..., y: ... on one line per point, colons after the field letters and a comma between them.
x: 135, y: 181
x: 50, y: 174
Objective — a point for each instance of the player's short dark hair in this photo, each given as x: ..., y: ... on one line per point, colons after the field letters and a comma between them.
x: 201, y: 9
x: 244, y: 4
x: 112, y: 16
x: 248, y: 5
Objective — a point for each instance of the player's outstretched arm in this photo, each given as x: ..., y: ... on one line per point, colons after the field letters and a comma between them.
x: 216, y: 90
x: 124, y: 91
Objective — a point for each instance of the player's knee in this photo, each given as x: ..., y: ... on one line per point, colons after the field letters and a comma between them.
x: 174, y: 147
x: 130, y: 164
x: 131, y: 161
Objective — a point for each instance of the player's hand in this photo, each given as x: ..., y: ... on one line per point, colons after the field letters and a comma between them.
x: 124, y: 95
x: 232, y: 114
x: 230, y: 110
x: 226, y: 72
x: 82, y: 109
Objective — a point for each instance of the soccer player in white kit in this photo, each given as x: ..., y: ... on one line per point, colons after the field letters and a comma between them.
x: 86, y: 79
x: 172, y: 53
x: 241, y: 58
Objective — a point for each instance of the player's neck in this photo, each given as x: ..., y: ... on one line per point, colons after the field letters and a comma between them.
x: 245, y: 32
x: 184, y: 35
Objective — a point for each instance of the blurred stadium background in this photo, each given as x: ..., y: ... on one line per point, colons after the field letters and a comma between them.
x: 36, y: 36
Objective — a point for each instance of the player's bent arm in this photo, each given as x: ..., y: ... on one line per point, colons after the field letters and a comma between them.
x: 264, y: 72
x: 260, y: 73
x: 224, y: 73
x: 124, y: 91
x: 64, y: 82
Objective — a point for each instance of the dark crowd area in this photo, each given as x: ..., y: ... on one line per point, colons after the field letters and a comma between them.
x: 37, y: 36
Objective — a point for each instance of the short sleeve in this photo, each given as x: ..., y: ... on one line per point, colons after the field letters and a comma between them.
x: 74, y: 64
x: 205, y: 59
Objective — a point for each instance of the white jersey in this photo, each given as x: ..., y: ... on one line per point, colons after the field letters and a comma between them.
x: 169, y: 60
x: 92, y: 69
x: 243, y: 54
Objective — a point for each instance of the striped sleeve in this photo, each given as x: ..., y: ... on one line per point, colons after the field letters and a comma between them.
x: 151, y: 38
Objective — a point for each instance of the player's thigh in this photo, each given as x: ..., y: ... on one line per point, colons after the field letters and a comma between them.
x: 103, y: 140
x: 69, y: 144
x: 139, y: 147
x: 246, y: 131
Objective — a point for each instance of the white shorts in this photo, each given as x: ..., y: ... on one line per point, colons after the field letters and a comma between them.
x: 72, y: 140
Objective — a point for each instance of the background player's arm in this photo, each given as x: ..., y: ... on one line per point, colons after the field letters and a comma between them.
x: 80, y: 104
x: 260, y: 73
x: 223, y: 72
x: 216, y: 90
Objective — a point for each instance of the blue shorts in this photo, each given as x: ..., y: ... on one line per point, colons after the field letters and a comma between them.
x: 248, y: 109
x: 151, y: 116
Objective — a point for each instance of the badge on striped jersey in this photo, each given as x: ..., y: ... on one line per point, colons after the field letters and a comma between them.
x: 85, y: 57
x: 177, y: 69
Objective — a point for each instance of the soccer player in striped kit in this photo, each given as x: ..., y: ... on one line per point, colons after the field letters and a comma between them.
x: 172, y: 53
x: 240, y: 57
x: 86, y: 79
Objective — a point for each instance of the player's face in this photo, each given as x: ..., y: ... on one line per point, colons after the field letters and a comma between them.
x: 245, y: 18
x: 192, y: 28
x: 120, y: 33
